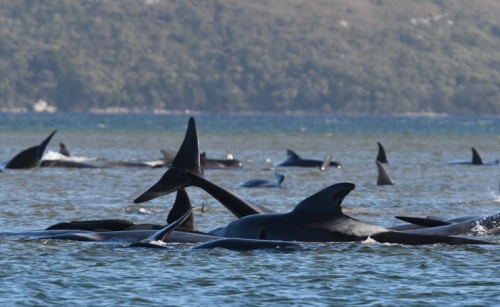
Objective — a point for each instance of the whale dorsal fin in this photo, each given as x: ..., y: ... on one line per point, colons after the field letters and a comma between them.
x: 63, y: 150
x: 279, y: 178
x: 382, y: 155
x: 476, y: 158
x: 383, y: 177
x: 181, y: 205
x: 29, y: 158
x: 325, y: 203
x: 162, y: 233
x: 292, y: 155
x: 188, y: 156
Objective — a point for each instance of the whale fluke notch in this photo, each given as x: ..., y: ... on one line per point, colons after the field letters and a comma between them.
x: 29, y: 158
x: 63, y: 150
x: 476, y: 158
x: 383, y: 177
x: 181, y: 205
x: 382, y: 155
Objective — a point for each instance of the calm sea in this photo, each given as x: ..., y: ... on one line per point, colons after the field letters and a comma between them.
x: 37, y: 272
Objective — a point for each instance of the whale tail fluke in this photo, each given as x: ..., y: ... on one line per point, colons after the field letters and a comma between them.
x: 175, y: 178
x: 382, y: 155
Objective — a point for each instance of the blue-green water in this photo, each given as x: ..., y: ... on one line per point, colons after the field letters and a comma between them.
x: 43, y: 272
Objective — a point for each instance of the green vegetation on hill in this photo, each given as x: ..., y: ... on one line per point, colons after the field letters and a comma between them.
x: 352, y: 56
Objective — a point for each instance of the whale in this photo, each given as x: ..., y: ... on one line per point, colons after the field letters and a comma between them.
x: 476, y: 160
x: 159, y: 240
x: 319, y: 218
x: 30, y: 157
x: 381, y: 155
x: 263, y: 182
x: 186, y: 171
x: 383, y: 177
x: 206, y: 163
x: 294, y: 159
x: 68, y: 164
x: 182, y: 203
x: 465, y: 225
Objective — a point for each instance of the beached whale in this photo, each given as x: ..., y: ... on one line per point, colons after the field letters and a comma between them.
x: 318, y: 218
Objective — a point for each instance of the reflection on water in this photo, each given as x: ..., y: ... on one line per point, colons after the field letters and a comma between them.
x: 41, y: 272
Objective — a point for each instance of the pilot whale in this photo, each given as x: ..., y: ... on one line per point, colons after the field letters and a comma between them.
x: 206, y: 163
x: 159, y: 239
x: 294, y: 159
x: 264, y: 183
x: 465, y: 225
x: 476, y: 160
x: 29, y: 158
x: 319, y: 218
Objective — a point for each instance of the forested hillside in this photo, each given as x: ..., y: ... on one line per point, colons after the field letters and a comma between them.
x: 349, y: 56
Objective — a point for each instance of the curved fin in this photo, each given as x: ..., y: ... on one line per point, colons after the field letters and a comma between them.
x: 279, y: 178
x: 476, y: 158
x: 187, y: 159
x: 426, y: 222
x: 292, y: 155
x: 161, y: 234
x: 326, y: 163
x: 382, y: 155
x: 326, y: 202
x: 29, y: 158
x: 173, y: 180
x: 181, y: 205
x: 383, y: 177
x: 63, y: 150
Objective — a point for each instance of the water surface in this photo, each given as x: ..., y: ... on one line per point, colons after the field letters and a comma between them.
x: 44, y: 272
